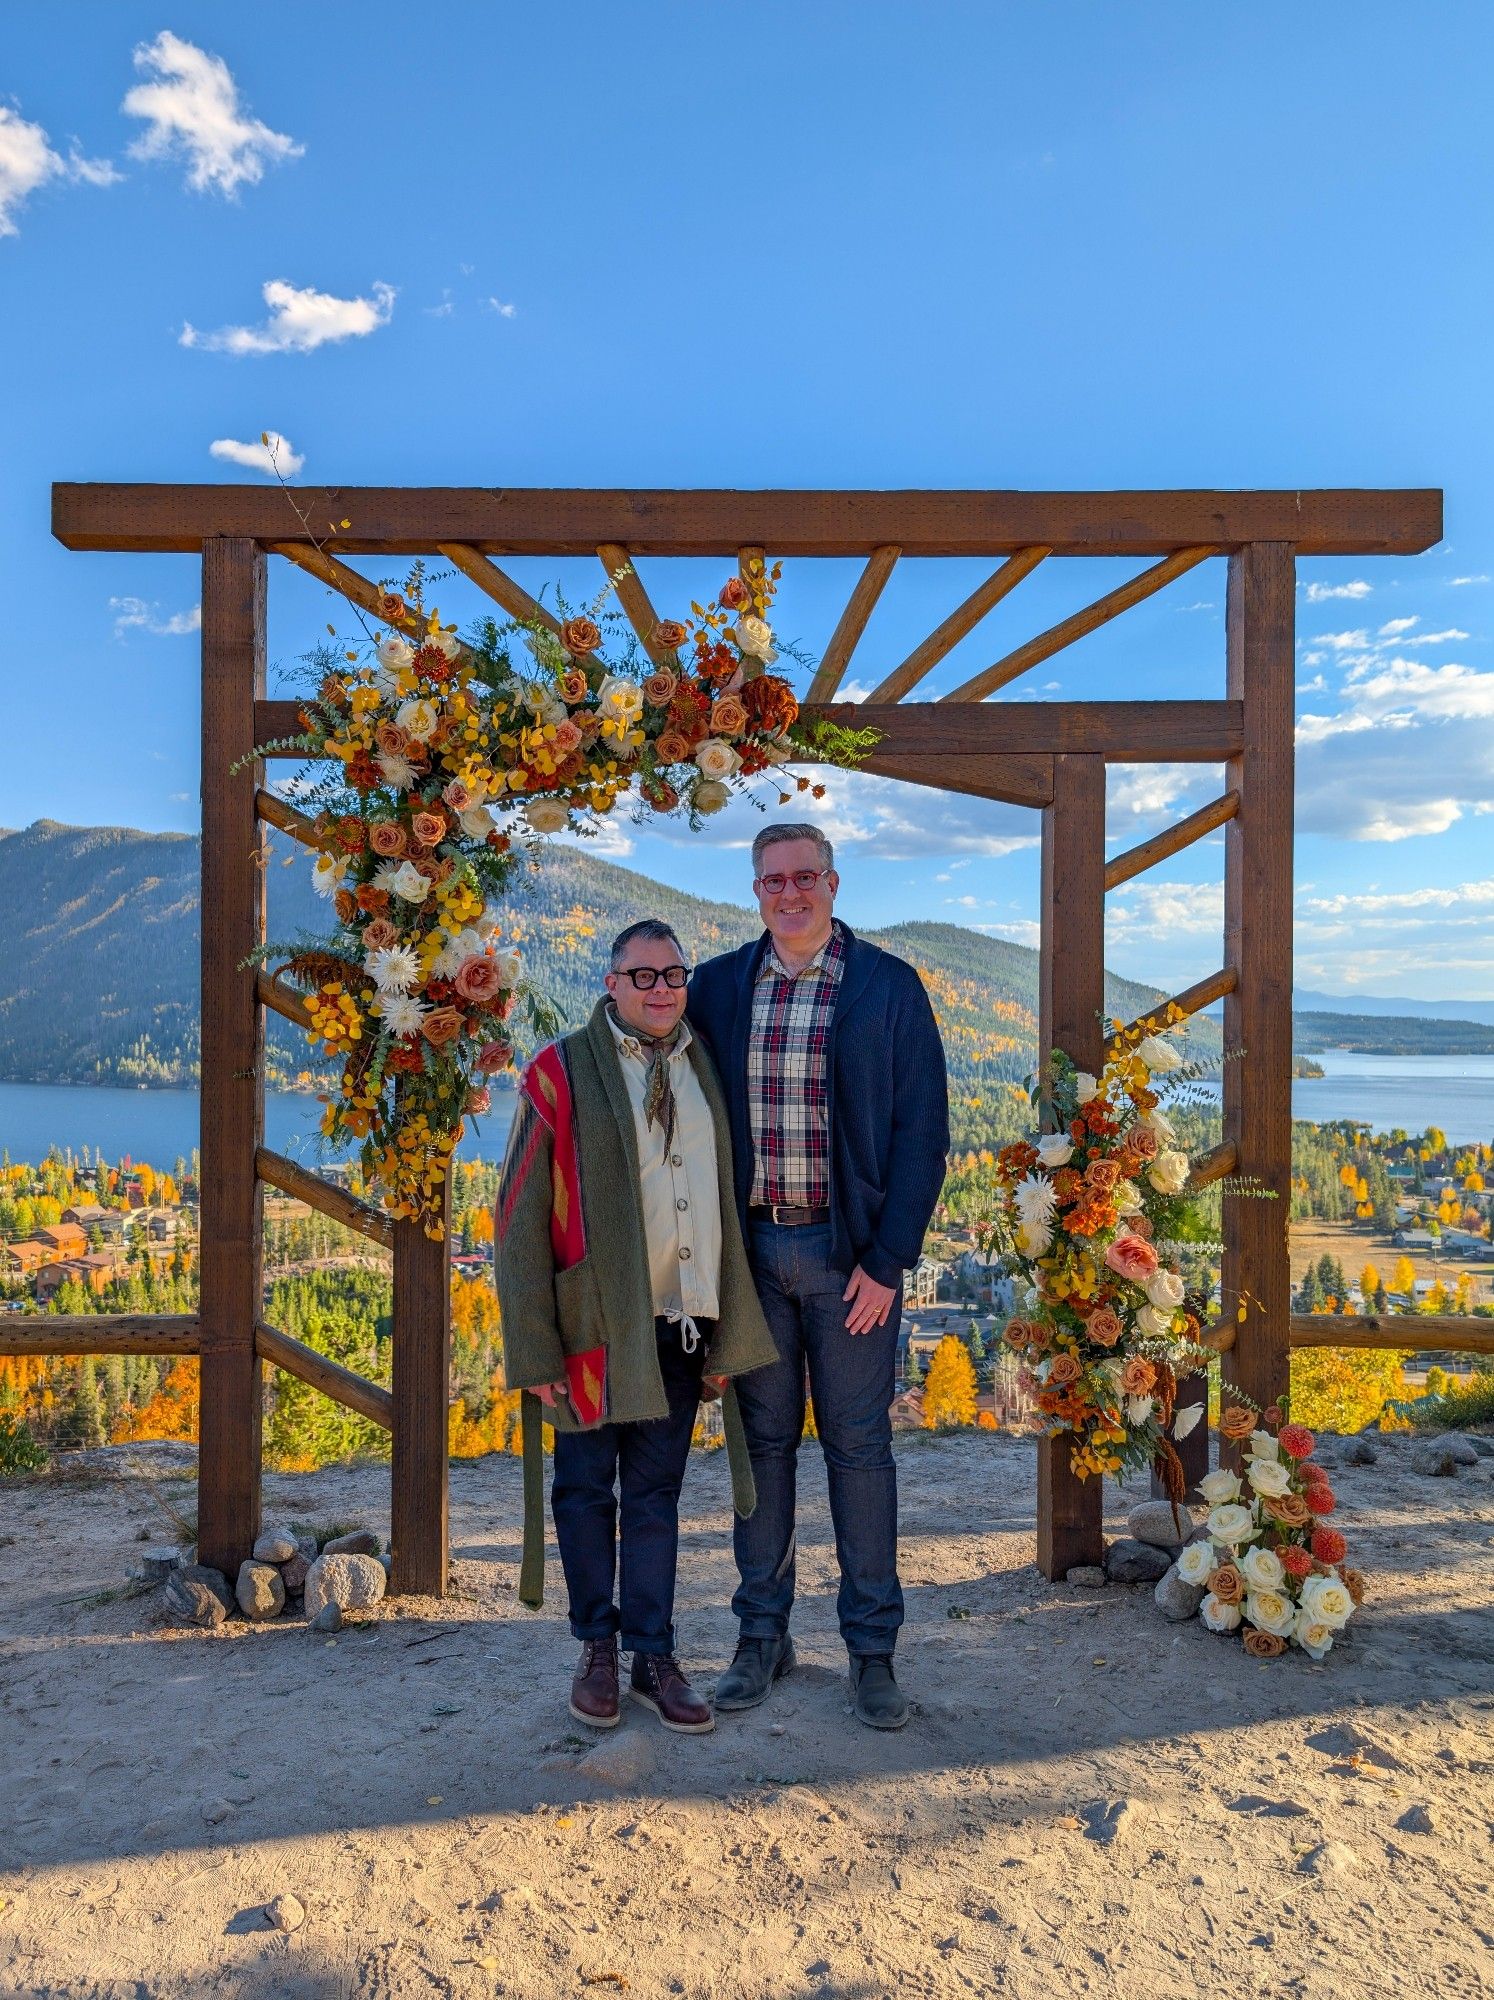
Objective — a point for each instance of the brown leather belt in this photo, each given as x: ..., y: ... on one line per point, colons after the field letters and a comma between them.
x: 785, y: 1216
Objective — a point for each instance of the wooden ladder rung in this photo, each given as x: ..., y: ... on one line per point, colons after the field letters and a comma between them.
x: 354, y: 1392
x: 275, y: 1170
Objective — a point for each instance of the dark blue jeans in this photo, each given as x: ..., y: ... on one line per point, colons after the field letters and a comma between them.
x: 852, y: 1379
x: 647, y: 1463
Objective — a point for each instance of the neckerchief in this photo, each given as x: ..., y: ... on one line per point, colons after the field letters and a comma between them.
x: 658, y: 1091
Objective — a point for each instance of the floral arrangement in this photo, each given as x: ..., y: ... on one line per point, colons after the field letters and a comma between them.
x: 1088, y: 1216
x: 1272, y: 1568
x: 446, y: 756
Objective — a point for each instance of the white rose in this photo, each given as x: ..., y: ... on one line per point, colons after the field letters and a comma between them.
x: 1263, y: 1445
x: 1268, y: 1477
x: 1153, y: 1324
x: 620, y: 700
x: 716, y: 758
x: 1086, y: 1087
x: 1159, y: 1056
x: 1054, y: 1150
x: 1326, y: 1601
x: 394, y: 652
x: 1160, y: 1126
x: 409, y: 884
x: 1262, y: 1569
x: 1219, y: 1617
x: 445, y: 642
x: 417, y: 718
x: 1165, y: 1290
x: 754, y: 636
x: 327, y: 874
x: 1219, y: 1488
x: 1231, y: 1525
x: 1314, y: 1637
x: 510, y: 966
x: 1196, y: 1563
x: 710, y: 795
x: 1270, y: 1611
x: 1168, y: 1173
x: 1126, y: 1198
x: 547, y: 815
x: 476, y: 822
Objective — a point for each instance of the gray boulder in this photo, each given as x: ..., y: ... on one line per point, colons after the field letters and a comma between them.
x: 1176, y: 1600
x: 157, y: 1564
x: 197, y: 1595
x: 260, y: 1592
x: 351, y: 1582
x: 1439, y: 1459
x: 1128, y: 1561
x: 1461, y: 1449
x: 328, y: 1619
x: 275, y: 1545
x: 1361, y: 1451
x: 361, y: 1542
x: 1153, y: 1522
x: 1088, y: 1576
x: 293, y: 1572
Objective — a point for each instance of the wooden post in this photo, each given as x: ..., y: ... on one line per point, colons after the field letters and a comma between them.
x: 1071, y: 1004
x: 232, y: 1113
x: 422, y: 1386
x: 1258, y: 941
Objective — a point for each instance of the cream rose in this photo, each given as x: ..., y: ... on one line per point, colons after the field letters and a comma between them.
x: 476, y: 822
x: 394, y: 652
x: 1219, y: 1488
x: 754, y: 636
x: 1168, y: 1173
x: 1219, y: 1617
x: 1263, y: 1445
x: 709, y: 796
x: 716, y: 758
x: 409, y: 884
x: 1126, y: 1197
x: 1196, y: 1563
x: 1268, y: 1477
x: 1086, y: 1087
x: 1270, y: 1610
x: 1160, y: 1126
x: 620, y: 700
x: 1326, y: 1600
x: 1055, y: 1150
x: 1153, y: 1324
x: 547, y: 815
x: 1231, y: 1525
x: 1159, y: 1056
x: 510, y: 966
x: 1262, y: 1569
x: 445, y: 642
x: 1165, y: 1290
x: 1312, y: 1635
x: 417, y: 719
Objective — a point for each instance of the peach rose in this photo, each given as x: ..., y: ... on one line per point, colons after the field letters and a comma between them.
x: 1138, y: 1376
x: 573, y: 686
x: 391, y: 606
x: 1143, y: 1143
x: 457, y: 796
x: 659, y: 688
x: 1132, y: 1258
x: 669, y: 636
x: 392, y: 740
x: 1236, y: 1422
x: 1354, y: 1583
x: 441, y: 1025
x: 1227, y: 1584
x: 380, y: 935
x: 479, y: 1099
x: 494, y: 1056
x: 1263, y: 1645
x: 672, y: 747
x: 387, y: 837
x: 428, y: 827
x: 1288, y: 1510
x: 728, y: 716
x: 1063, y: 1369
x: 567, y: 737
x: 580, y: 637
x: 734, y: 594
x: 1103, y: 1174
x: 478, y: 978
x: 1104, y: 1327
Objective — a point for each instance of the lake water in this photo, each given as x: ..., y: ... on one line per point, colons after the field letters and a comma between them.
x: 1455, y: 1092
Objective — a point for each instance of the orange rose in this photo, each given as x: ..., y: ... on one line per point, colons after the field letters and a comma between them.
x: 387, y: 837
x: 441, y: 1025
x: 1143, y: 1143
x: 345, y: 903
x: 1063, y: 1369
x: 1263, y: 1645
x: 380, y: 935
x: 1227, y: 1584
x: 372, y: 899
x: 661, y: 795
x: 391, y: 606
x: 1102, y: 1175
x: 1236, y: 1422
x: 1289, y: 1510
x: 734, y: 594
x: 573, y: 686
x: 659, y: 688
x: 1354, y: 1583
x: 428, y: 827
x: 391, y: 739
x: 580, y: 637
x: 728, y: 716
x: 672, y: 747
x: 1138, y: 1376
x: 669, y: 636
x: 1104, y: 1327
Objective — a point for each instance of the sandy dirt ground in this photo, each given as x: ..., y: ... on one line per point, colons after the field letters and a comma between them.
x: 1088, y: 1801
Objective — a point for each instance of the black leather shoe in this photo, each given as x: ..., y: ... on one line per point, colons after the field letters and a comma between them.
x: 750, y: 1677
x: 876, y: 1698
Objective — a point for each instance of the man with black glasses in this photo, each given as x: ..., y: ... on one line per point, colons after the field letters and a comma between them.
x: 834, y: 1075
x: 624, y: 1287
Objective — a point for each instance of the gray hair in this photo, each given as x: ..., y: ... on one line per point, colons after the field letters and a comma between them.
x: 773, y: 836
x: 649, y: 930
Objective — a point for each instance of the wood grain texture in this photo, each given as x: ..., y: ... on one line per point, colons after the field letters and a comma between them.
x: 276, y: 1171
x: 232, y: 1102
x: 419, y: 1529
x: 1172, y: 840
x: 276, y: 812
x: 100, y: 1333
x: 632, y: 595
x: 1258, y: 941
x: 1079, y: 624
x: 982, y: 774
x: 1071, y: 1002
x: 280, y: 999
x: 413, y: 520
x: 959, y: 624
x: 1217, y: 1164
x: 1193, y: 999
x: 499, y: 585
x: 852, y: 623
x: 354, y: 1392
x: 1423, y: 1333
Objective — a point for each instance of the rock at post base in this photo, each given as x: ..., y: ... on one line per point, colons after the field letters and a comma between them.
x: 260, y: 1592
x: 1177, y: 1599
x: 360, y: 1542
x: 1088, y: 1576
x: 328, y: 1619
x: 197, y: 1595
x: 1152, y: 1522
x: 352, y: 1583
x: 275, y: 1545
x: 157, y: 1564
x: 1128, y: 1561
x: 293, y: 1572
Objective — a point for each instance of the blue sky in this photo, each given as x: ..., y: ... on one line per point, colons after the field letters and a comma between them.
x: 992, y: 245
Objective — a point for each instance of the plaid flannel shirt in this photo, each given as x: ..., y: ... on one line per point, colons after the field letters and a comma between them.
x: 787, y: 1093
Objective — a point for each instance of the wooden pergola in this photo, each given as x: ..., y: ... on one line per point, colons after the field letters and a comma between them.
x: 1051, y: 756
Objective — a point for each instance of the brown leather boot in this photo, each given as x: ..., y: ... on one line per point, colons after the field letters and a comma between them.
x: 594, y: 1692
x: 658, y: 1683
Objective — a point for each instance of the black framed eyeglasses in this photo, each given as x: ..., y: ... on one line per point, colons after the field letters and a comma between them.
x: 802, y: 878
x: 647, y: 977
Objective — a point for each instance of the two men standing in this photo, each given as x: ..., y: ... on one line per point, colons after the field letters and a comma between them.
x: 824, y: 1117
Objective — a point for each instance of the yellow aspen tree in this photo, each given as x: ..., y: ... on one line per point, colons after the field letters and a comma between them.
x: 949, y: 1392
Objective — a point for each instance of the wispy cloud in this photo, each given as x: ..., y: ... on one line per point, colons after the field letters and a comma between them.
x: 1458, y: 582
x: 1321, y: 593
x: 133, y: 614
x: 299, y: 321
x: 192, y: 112
x: 28, y: 161
x: 271, y: 453
x: 503, y: 309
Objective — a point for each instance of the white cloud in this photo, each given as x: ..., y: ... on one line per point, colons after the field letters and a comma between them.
x: 300, y: 320
x: 269, y: 453
x: 1394, y: 627
x: 1146, y: 791
x: 1344, y: 642
x: 133, y: 614
x: 503, y: 310
x: 1320, y: 593
x: 1378, y: 902
x: 192, y: 111
x: 28, y: 161
x: 1458, y: 581
x: 1147, y: 911
x: 1016, y: 930
x: 853, y: 691
x: 1400, y: 941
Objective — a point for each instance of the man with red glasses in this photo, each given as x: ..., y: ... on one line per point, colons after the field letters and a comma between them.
x: 834, y: 1077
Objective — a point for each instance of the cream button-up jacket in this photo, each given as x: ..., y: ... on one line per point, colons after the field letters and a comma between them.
x: 677, y: 1183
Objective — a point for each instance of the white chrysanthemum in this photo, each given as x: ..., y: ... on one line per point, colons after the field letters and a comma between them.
x: 409, y: 884
x: 398, y: 772
x: 1196, y: 1563
x: 386, y: 875
x: 449, y: 959
x: 1034, y: 1239
x: 328, y: 874
x: 1139, y: 1408
x: 1035, y: 1198
x: 401, y: 1013
x: 395, y: 970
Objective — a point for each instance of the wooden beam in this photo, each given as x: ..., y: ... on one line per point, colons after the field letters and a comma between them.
x: 1071, y: 1001
x: 499, y: 585
x: 349, y: 584
x: 635, y: 601
x: 1426, y: 1333
x: 232, y: 1096
x: 1147, y: 853
x: 1090, y: 619
x: 279, y: 814
x: 413, y: 520
x: 1193, y: 999
x: 961, y: 621
x: 852, y: 623
x: 1217, y: 1164
x: 282, y: 1000
x: 353, y: 1391
x: 1256, y: 1272
x: 99, y: 1333
x: 1219, y: 1334
x: 1019, y: 781
x: 276, y: 1171
x: 419, y: 1528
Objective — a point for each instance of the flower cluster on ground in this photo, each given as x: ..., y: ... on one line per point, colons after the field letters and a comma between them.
x: 447, y: 756
x: 1088, y: 1216
x: 1272, y: 1567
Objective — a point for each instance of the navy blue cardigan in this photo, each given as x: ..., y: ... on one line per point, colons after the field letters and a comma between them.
x: 888, y: 1099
